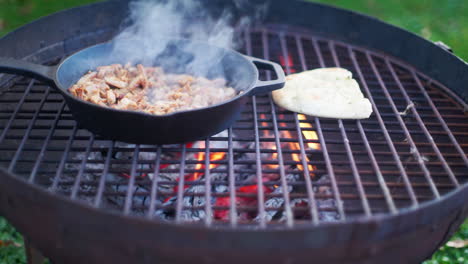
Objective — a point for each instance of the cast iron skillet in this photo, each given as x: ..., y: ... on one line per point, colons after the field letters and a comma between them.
x: 241, y: 73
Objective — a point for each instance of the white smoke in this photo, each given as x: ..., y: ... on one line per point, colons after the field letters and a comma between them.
x: 153, y: 23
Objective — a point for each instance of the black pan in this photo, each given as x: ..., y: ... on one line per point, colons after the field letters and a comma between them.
x: 241, y: 73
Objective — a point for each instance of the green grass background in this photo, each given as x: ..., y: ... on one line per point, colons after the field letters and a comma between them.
x: 436, y: 20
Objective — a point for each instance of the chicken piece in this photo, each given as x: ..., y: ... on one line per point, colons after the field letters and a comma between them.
x: 86, y: 78
x: 144, y: 79
x: 115, y: 82
x: 122, y: 75
x: 139, y: 82
x: 76, y: 90
x: 164, y: 107
x: 127, y: 104
x: 138, y: 95
x: 108, y: 70
x: 96, y: 99
x: 91, y: 90
x: 120, y: 93
x: 110, y: 96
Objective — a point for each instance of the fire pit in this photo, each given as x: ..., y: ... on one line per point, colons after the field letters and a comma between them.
x: 277, y: 186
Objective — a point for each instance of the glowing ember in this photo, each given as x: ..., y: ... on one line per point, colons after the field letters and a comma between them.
x: 199, y: 156
x: 223, y: 214
x: 287, y: 63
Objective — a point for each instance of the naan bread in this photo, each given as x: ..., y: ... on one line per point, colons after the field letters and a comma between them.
x: 328, y: 92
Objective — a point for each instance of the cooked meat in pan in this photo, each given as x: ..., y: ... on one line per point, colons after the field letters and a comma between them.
x: 149, y: 89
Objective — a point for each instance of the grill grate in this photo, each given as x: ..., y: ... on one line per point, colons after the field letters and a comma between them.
x: 267, y: 170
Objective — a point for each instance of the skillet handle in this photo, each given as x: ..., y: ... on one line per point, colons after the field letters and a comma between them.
x: 14, y: 66
x: 267, y: 86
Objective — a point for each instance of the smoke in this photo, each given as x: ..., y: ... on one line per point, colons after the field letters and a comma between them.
x: 153, y: 25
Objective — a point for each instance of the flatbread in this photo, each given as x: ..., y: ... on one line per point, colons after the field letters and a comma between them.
x: 327, y: 92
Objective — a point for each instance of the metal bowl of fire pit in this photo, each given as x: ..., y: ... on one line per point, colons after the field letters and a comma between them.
x: 277, y: 186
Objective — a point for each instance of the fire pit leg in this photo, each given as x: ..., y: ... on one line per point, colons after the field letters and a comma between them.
x: 32, y: 254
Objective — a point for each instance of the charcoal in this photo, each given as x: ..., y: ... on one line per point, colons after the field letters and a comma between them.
x: 194, y: 201
x: 194, y: 206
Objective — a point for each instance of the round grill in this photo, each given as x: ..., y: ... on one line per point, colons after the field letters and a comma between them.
x: 277, y: 187
x: 273, y: 167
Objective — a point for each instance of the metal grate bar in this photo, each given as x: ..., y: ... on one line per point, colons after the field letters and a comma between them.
x: 453, y: 96
x: 39, y: 158
x: 331, y: 173
x: 374, y: 197
x: 378, y: 171
x: 245, y: 162
x: 258, y: 161
x: 251, y: 162
x: 326, y: 155
x: 26, y: 116
x: 131, y: 182
x: 59, y: 172
x: 208, y: 209
x: 357, y: 177
x: 327, y: 129
x: 422, y: 126
x: 368, y: 172
x: 102, y: 180
x: 414, y: 149
x: 249, y: 139
x: 309, y: 188
x: 17, y: 108
x: 284, y: 183
x: 399, y: 164
x: 76, y: 185
x: 28, y: 131
x: 232, y: 182
x: 440, y: 119
x: 180, y: 186
x: 344, y: 182
x: 154, y: 185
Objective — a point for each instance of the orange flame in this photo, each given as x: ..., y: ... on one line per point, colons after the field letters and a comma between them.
x: 296, y: 156
x: 309, y: 135
x: 200, y: 156
x: 269, y: 145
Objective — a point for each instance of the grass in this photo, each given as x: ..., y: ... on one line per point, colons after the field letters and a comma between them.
x: 435, y: 20
x: 11, y: 244
x: 447, y: 254
x: 14, y: 13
